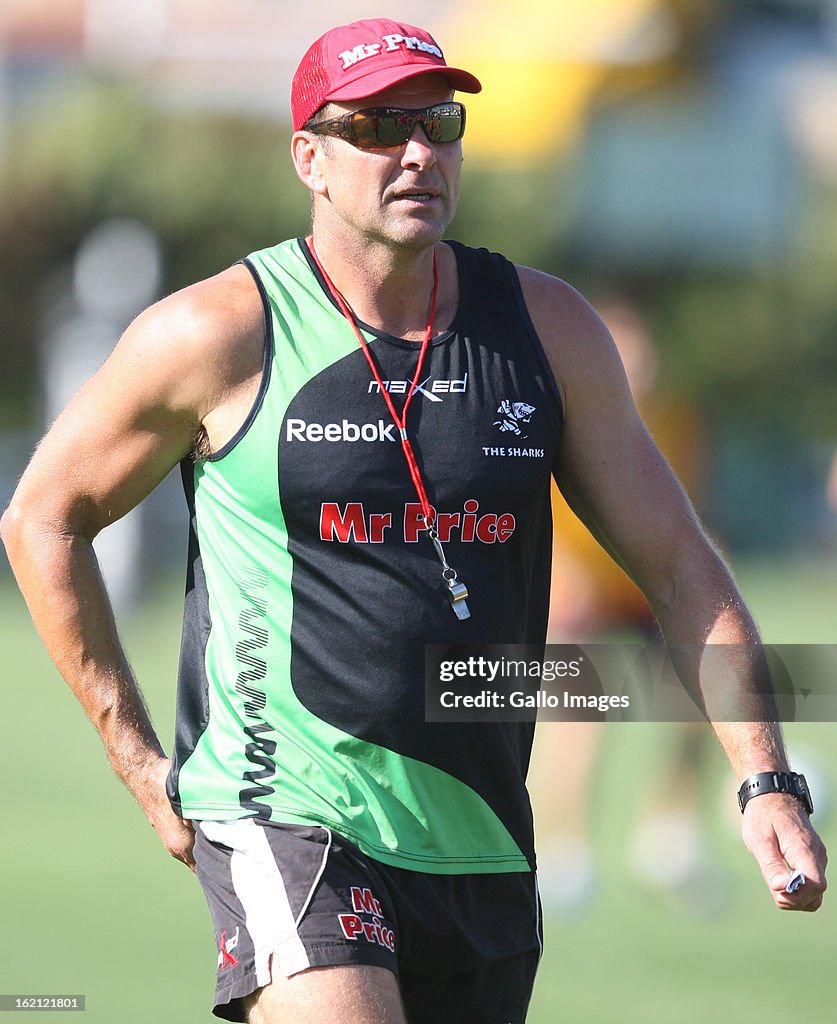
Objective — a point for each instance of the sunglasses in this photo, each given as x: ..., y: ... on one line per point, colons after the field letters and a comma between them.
x: 386, y: 127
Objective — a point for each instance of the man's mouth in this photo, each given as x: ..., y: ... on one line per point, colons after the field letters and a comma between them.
x: 416, y: 196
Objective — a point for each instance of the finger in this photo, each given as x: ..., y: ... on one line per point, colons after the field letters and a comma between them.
x: 184, y: 853
x: 803, y: 891
x: 189, y: 861
x: 778, y: 876
x: 772, y: 865
x: 807, y: 864
x: 800, y: 900
x: 188, y: 848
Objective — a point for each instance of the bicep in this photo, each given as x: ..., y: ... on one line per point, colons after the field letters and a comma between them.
x: 617, y: 482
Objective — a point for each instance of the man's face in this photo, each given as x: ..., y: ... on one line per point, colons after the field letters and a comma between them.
x: 405, y: 195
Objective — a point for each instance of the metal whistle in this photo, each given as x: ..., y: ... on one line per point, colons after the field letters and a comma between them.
x: 457, y: 591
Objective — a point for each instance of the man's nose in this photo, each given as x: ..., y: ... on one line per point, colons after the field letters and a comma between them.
x: 419, y: 151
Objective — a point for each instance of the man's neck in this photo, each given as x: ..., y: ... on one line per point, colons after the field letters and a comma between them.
x: 389, y: 289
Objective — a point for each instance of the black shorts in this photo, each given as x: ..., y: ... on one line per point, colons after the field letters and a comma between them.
x: 287, y: 897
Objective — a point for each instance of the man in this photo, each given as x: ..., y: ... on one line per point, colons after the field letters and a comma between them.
x: 367, y: 421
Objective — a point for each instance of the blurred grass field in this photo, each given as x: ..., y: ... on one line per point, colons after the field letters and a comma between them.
x: 92, y: 905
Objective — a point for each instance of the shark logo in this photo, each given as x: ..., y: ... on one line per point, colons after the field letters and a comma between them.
x: 513, y: 415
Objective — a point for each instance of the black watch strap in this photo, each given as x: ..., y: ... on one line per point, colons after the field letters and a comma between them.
x: 776, y: 782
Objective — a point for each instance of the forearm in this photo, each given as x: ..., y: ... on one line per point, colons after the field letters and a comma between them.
x: 718, y: 655
x: 738, y: 692
x: 717, y: 652
x: 59, y: 576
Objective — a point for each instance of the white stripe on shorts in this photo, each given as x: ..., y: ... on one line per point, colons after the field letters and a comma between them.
x: 259, y: 885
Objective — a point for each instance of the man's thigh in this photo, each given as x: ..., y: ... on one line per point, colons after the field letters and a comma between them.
x: 496, y: 993
x: 340, y: 995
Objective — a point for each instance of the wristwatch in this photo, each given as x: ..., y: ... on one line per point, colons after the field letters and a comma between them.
x: 776, y: 782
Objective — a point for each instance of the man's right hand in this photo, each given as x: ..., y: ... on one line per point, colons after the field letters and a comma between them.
x: 176, y: 834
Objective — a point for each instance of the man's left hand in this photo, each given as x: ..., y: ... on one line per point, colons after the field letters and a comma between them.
x: 777, y: 832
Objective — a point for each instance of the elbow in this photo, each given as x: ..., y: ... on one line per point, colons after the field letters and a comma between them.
x: 30, y: 527
x: 699, y: 593
x: 15, y: 528
x: 8, y: 524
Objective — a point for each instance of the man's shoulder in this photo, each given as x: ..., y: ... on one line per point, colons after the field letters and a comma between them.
x: 556, y: 307
x: 543, y: 290
x: 573, y: 335
x: 190, y: 348
x: 204, y: 319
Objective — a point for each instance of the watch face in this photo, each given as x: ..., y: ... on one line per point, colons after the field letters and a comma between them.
x: 801, y: 790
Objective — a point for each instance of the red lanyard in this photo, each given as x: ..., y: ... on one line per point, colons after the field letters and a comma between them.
x: 457, y: 591
x: 400, y: 421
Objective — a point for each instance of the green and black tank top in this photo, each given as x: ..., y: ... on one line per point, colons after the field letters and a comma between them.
x: 312, y: 589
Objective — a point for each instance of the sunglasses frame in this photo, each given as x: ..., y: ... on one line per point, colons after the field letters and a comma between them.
x: 343, y: 127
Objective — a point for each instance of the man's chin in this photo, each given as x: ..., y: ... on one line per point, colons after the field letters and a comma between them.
x: 417, y: 233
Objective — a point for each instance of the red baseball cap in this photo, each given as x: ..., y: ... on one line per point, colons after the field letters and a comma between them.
x: 354, y: 61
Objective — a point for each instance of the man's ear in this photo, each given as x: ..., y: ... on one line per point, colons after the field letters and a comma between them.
x: 309, y: 162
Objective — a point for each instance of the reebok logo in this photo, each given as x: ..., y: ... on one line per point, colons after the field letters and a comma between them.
x: 300, y: 430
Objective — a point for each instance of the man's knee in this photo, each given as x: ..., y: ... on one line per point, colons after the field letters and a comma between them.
x: 352, y: 994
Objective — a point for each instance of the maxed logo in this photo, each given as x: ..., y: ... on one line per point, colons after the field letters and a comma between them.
x: 428, y: 388
x: 352, y: 522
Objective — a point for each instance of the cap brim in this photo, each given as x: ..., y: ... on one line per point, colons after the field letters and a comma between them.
x: 377, y: 81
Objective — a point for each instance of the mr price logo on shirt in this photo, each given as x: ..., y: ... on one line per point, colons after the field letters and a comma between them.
x: 353, y: 522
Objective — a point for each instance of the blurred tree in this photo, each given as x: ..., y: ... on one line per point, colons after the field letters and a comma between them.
x: 757, y: 348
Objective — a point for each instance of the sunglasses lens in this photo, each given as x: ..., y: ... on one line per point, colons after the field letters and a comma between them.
x: 389, y: 127
x: 366, y: 129
x: 444, y: 124
x: 395, y: 127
